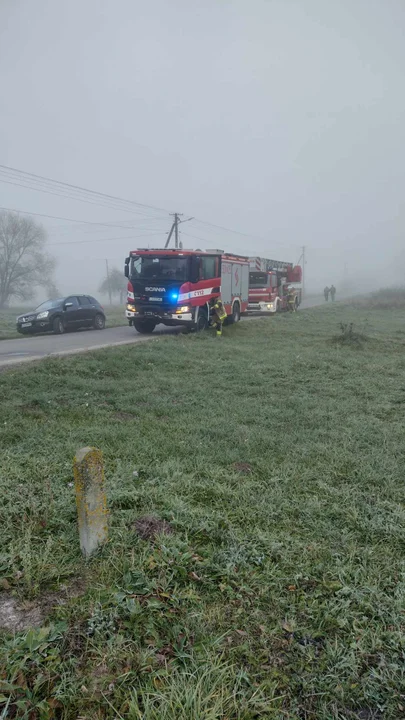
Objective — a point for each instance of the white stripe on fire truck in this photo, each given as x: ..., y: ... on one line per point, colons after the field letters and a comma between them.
x: 195, y: 293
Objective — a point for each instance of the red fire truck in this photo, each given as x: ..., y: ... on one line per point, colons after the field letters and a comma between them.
x: 177, y: 287
x: 269, y: 281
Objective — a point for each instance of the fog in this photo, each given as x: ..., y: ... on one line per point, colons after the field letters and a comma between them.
x: 283, y: 120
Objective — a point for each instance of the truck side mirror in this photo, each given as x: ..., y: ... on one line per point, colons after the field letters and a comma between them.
x: 126, y: 268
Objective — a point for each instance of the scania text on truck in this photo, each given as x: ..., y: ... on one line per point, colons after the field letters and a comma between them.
x: 177, y: 287
x: 268, y: 284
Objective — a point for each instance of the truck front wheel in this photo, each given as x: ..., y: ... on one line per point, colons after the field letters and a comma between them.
x: 202, y: 321
x: 144, y: 326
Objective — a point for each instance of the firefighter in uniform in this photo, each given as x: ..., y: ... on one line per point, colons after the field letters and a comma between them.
x: 291, y: 304
x: 218, y: 316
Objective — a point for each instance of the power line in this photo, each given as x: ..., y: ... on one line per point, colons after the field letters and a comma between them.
x: 236, y: 232
x: 100, y: 240
x: 80, y: 222
x: 222, y: 227
x: 74, y: 197
x: 63, y: 230
x: 78, y: 188
x: 68, y: 197
x: 60, y: 191
x: 76, y: 192
x: 196, y: 237
x: 242, y: 234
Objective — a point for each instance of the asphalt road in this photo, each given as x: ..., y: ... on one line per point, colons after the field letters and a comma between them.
x: 26, y: 349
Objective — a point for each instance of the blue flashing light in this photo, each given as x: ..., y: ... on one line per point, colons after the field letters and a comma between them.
x: 174, y: 295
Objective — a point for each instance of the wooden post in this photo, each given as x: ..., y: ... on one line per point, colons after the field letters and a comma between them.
x: 88, y: 469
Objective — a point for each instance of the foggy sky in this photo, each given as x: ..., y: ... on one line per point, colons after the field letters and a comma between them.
x: 280, y: 118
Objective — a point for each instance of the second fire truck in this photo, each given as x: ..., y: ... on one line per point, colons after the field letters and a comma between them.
x: 269, y: 281
x: 179, y: 287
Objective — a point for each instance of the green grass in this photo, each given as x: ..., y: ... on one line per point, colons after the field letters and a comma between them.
x: 280, y: 592
x: 385, y: 299
x: 7, y: 323
x: 115, y: 315
x: 115, y: 318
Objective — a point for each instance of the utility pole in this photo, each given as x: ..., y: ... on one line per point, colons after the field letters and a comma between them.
x: 302, y: 257
x: 169, y: 236
x: 175, y: 228
x: 108, y: 281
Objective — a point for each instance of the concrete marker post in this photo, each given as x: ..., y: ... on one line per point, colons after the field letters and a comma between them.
x: 88, y: 470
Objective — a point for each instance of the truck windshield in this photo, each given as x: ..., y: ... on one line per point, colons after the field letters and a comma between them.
x: 159, y: 267
x: 258, y: 279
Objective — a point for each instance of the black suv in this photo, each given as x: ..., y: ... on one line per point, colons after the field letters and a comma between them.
x: 69, y: 313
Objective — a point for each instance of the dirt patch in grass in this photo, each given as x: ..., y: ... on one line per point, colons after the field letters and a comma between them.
x: 125, y: 417
x: 243, y: 468
x: 366, y: 714
x: 148, y: 527
x: 16, y: 615
x: 34, y: 411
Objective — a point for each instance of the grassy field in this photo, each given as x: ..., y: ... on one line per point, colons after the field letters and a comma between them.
x: 255, y: 567
x: 7, y: 323
x: 115, y: 318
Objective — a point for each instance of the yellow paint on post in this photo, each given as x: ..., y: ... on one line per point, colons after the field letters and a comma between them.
x: 88, y: 469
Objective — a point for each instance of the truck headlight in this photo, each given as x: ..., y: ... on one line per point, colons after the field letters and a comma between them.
x: 43, y: 315
x: 183, y: 309
x: 131, y: 308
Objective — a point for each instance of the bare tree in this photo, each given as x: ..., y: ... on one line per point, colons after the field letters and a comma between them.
x: 114, y: 283
x: 24, y: 262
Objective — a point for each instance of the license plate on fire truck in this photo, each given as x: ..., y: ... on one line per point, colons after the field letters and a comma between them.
x: 153, y: 299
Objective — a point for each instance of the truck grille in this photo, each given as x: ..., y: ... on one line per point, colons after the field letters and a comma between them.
x: 155, y: 308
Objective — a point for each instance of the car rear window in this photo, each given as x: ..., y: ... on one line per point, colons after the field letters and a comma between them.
x: 84, y: 300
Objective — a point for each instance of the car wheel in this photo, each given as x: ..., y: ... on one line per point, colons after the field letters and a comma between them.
x: 58, y: 326
x: 99, y: 322
x: 144, y: 326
